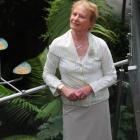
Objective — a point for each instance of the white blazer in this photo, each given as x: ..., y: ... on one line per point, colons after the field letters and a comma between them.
x: 96, y: 68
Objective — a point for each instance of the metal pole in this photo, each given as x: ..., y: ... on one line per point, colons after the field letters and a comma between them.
x: 117, y: 113
x: 10, y: 84
x: 123, y: 11
x: 120, y: 63
x: 11, y: 81
x: 22, y: 93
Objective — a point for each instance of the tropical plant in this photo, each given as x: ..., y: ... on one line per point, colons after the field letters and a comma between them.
x: 52, y: 129
x: 127, y: 123
x: 29, y: 112
x: 57, y: 20
x: 20, y: 137
x: 105, y: 33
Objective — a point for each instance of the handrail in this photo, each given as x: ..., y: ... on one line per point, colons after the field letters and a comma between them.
x: 22, y: 93
x: 33, y: 90
x: 121, y: 63
x: 11, y: 81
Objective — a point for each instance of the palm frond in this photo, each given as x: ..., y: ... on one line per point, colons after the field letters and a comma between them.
x: 43, y: 56
x: 106, y: 33
x: 103, y: 6
x: 58, y: 19
x: 51, y: 130
x: 4, y: 91
x: 35, y: 79
x: 24, y: 104
x: 19, y: 111
x: 50, y: 110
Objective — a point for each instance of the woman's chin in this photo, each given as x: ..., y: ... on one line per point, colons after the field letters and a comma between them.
x: 75, y: 29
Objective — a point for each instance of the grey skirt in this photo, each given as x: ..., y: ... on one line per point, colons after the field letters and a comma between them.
x: 87, y: 123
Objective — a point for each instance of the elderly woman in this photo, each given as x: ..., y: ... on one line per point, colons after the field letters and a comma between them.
x: 87, y: 70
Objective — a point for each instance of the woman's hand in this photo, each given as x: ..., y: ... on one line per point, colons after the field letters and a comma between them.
x: 76, y: 94
x: 69, y: 93
x: 83, y: 92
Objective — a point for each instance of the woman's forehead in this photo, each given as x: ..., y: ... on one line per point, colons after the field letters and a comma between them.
x: 81, y: 9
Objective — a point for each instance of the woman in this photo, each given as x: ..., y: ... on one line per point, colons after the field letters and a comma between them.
x: 87, y: 70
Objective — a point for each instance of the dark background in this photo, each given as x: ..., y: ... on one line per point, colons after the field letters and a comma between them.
x: 21, y: 25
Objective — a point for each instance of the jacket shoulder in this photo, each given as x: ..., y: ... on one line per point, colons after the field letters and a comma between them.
x: 59, y: 42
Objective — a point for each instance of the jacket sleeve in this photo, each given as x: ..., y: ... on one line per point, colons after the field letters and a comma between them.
x: 107, y: 66
x: 49, y: 71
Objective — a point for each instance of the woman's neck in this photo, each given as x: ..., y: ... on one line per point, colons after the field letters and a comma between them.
x: 79, y: 36
x: 81, y: 43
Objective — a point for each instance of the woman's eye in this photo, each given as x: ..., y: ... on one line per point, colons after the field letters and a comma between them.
x: 78, y: 15
x: 74, y: 14
x: 82, y: 16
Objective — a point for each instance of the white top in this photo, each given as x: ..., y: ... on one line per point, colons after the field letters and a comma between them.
x: 96, y: 68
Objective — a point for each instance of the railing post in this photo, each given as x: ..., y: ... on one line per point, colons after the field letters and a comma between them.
x: 118, y: 104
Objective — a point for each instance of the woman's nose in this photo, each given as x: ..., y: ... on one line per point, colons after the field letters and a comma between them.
x: 76, y: 17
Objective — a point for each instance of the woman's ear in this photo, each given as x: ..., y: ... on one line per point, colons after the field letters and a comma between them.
x: 92, y: 25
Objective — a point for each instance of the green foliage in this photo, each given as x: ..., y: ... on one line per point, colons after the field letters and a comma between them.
x: 51, y: 130
x: 4, y: 91
x: 22, y: 111
x: 104, y: 8
x: 58, y: 19
x: 18, y: 110
x: 20, y: 137
x: 43, y: 57
x: 99, y: 30
x: 35, y: 78
x: 24, y: 104
x: 127, y: 124
x: 50, y: 110
x: 120, y: 48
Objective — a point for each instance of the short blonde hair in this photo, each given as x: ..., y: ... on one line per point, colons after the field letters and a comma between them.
x: 92, y: 7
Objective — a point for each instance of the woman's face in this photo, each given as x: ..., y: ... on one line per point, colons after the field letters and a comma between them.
x: 80, y: 19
